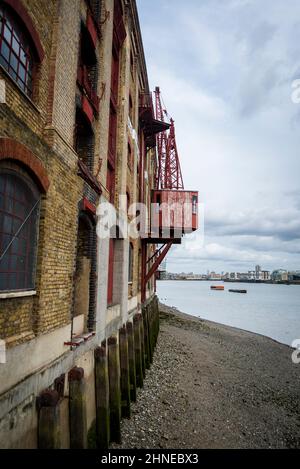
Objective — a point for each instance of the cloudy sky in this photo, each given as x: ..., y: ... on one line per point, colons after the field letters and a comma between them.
x: 226, y: 68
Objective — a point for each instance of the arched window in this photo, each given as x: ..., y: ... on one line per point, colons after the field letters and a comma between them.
x: 130, y: 263
x: 19, y: 216
x: 16, y: 54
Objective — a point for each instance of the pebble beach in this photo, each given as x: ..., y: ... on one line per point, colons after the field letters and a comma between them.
x: 213, y: 386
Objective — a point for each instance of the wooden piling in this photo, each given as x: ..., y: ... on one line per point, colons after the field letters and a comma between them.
x: 150, y: 334
x: 49, y: 420
x: 102, y: 397
x: 156, y: 306
x: 146, y: 337
x: 124, y: 368
x: 114, y: 389
x: 138, y: 351
x: 155, y: 312
x: 77, y: 409
x: 131, y: 359
x: 152, y: 330
x: 142, y: 345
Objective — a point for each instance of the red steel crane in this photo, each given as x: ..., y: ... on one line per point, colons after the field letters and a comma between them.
x: 169, y: 174
x: 169, y: 191
x: 173, y: 171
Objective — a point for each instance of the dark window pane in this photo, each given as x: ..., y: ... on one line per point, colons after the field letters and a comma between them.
x: 6, y: 239
x: 5, y: 51
x: 8, y: 22
x: 16, y: 225
x: 3, y: 281
x: 9, y: 186
x: 23, y: 56
x: 13, y: 74
x: 12, y: 281
x: 22, y: 281
x: 20, y: 210
x: 9, y: 204
x: 21, y: 263
x: 7, y: 224
x: 15, y: 46
x: 22, y: 73
x: 3, y: 62
x: 23, y: 233
x: 22, y: 245
x: 4, y: 263
x: 7, y: 34
x: 15, y: 246
x: 14, y: 62
x: 13, y: 263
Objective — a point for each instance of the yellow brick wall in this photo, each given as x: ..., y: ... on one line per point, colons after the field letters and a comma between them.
x: 51, y: 307
x: 48, y: 132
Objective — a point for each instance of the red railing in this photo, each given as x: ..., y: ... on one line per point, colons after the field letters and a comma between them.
x: 145, y: 102
x: 84, y: 81
x: 175, y: 209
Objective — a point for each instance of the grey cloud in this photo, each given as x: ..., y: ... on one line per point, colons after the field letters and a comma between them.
x: 260, y: 35
x: 258, y: 84
x: 281, y: 225
x: 265, y: 244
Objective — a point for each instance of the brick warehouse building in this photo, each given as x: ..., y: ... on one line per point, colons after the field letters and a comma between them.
x: 76, y: 129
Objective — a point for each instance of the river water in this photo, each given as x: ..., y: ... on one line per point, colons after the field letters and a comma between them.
x: 270, y: 310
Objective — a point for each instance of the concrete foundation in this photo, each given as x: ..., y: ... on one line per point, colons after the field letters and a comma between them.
x: 101, y: 384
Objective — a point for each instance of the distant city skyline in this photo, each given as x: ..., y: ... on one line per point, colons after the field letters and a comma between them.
x: 259, y: 274
x: 206, y: 271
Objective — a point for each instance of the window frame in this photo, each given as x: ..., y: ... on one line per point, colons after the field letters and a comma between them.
x: 32, y: 237
x: 19, y: 49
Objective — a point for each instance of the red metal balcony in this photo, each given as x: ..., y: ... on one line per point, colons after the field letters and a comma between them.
x: 174, y: 212
x: 148, y: 123
x: 146, y: 106
x: 83, y: 81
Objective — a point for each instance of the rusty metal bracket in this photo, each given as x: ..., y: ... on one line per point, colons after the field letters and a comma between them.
x: 156, y: 253
x: 163, y: 252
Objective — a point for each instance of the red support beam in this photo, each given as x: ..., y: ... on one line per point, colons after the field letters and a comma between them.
x: 163, y: 251
x: 155, y: 254
x: 158, y: 261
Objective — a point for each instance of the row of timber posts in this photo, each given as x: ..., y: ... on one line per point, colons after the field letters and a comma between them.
x: 120, y: 365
